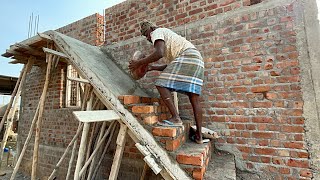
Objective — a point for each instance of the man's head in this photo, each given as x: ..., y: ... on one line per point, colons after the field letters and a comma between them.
x: 146, y: 28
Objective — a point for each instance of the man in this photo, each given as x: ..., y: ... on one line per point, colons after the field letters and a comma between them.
x: 183, y: 72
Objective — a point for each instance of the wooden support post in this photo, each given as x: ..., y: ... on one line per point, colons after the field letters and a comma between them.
x: 87, y: 90
x: 102, y: 155
x: 100, y: 142
x: 39, y: 121
x: 144, y: 172
x: 4, y: 118
x: 13, y: 110
x: 102, y: 129
x: 121, y: 140
x: 82, y: 148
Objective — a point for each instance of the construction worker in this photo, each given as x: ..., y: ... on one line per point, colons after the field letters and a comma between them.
x: 183, y: 72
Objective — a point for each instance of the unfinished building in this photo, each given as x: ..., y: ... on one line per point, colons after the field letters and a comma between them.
x: 260, y: 92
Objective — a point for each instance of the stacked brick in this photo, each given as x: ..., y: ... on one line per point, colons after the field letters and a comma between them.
x: 193, y: 158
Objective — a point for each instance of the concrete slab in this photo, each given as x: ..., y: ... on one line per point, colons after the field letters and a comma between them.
x: 93, y: 59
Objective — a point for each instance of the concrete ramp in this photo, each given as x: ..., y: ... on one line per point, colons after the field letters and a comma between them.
x: 108, y: 82
x: 91, y: 58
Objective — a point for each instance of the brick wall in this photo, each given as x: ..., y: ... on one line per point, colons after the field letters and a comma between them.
x: 88, y: 30
x: 122, y: 19
x: 59, y: 125
x: 252, y: 91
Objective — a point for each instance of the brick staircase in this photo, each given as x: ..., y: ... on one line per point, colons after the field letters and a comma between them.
x: 194, y: 158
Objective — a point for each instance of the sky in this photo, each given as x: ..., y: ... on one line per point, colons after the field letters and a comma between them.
x: 15, y: 16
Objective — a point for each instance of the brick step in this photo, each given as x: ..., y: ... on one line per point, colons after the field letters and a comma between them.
x: 171, y: 137
x: 131, y: 99
x: 194, y: 158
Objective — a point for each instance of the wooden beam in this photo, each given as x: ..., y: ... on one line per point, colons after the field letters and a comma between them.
x: 53, y: 52
x: 39, y: 121
x: 29, y: 49
x: 96, y: 116
x: 83, y: 142
x: 100, y: 142
x: 78, y: 79
x: 121, y: 140
x: 45, y: 37
x: 14, y: 52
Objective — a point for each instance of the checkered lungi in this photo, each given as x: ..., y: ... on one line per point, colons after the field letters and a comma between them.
x: 184, y: 74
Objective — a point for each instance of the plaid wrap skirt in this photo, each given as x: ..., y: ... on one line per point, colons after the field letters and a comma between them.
x: 184, y: 74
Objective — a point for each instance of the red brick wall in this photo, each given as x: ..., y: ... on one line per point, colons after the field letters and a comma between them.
x: 122, y: 19
x: 88, y: 29
x: 252, y: 90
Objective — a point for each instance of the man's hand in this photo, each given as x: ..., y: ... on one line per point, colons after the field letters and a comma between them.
x: 134, y: 64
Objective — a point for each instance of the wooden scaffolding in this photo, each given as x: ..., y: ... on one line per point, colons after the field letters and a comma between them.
x: 102, y: 123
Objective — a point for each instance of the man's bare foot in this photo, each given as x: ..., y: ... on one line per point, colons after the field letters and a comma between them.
x: 175, y: 120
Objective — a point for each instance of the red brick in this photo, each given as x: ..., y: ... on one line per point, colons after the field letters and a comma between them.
x: 306, y: 173
x: 260, y: 89
x: 198, y: 173
x: 265, y: 151
x: 150, y: 120
x: 298, y: 163
x: 263, y: 135
x: 172, y: 145
x: 129, y: 99
x: 293, y: 145
x: 143, y: 109
x: 262, y: 119
x: 190, y: 159
x: 164, y: 131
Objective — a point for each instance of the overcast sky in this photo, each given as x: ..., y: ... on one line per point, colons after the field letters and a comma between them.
x: 15, y: 15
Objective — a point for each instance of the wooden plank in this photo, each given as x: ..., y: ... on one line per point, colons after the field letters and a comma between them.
x: 78, y: 80
x: 53, y: 52
x: 152, y: 164
x: 29, y: 49
x: 94, y: 153
x: 14, y: 52
x: 96, y: 116
x: 83, y: 142
x: 121, y: 140
x: 45, y: 37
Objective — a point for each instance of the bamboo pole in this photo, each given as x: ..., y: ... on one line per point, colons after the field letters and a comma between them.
x: 4, y: 118
x: 83, y: 107
x: 102, y: 129
x: 66, y: 151
x: 102, y: 155
x: 96, y: 149
x: 121, y: 140
x: 15, y: 170
x: 39, y: 121
x: 13, y: 110
x: 83, y: 142
x: 89, y: 145
x: 144, y: 172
